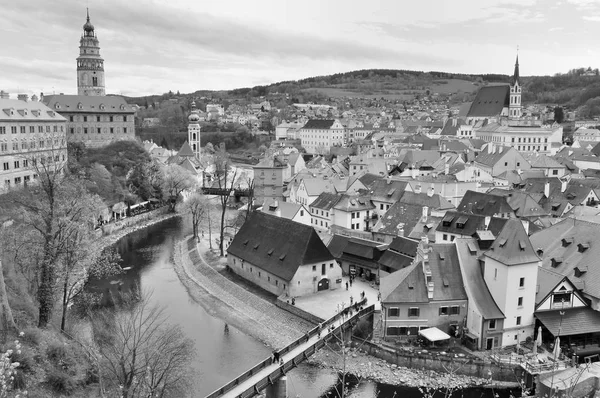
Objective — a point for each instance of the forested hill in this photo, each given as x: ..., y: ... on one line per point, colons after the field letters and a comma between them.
x: 578, y: 88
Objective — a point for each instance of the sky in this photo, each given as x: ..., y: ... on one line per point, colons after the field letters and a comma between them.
x: 151, y: 47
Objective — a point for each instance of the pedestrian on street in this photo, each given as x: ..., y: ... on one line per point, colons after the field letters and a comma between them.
x: 351, y: 300
x: 347, y: 285
x: 275, y: 356
x: 362, y: 295
x: 350, y: 282
x: 378, y: 296
x: 319, y: 330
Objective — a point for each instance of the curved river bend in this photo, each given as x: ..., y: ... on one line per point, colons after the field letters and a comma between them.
x: 221, y: 355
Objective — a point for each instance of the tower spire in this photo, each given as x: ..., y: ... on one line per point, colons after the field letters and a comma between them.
x: 516, y: 73
x: 87, y: 10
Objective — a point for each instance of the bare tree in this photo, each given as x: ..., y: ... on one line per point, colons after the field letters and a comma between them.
x: 225, y: 179
x: 195, y: 205
x: 175, y: 180
x: 140, y: 352
x: 7, y: 322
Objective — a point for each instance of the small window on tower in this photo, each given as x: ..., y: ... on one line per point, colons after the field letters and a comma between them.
x: 94, y: 81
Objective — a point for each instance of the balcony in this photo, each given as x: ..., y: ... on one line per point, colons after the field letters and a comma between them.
x: 371, y: 217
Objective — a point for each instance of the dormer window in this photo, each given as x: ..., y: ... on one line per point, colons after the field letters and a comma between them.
x: 566, y: 241
x: 57, y: 105
x: 540, y: 252
x: 522, y: 245
x: 583, y: 247
x: 447, y: 220
x: 579, y: 271
x: 246, y: 242
x: 80, y: 106
x: 502, y: 242
x: 270, y: 252
x: 556, y: 261
x: 555, y: 206
x: 102, y: 107
x: 256, y: 246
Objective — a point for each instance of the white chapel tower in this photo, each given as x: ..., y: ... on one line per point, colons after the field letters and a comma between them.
x: 90, y: 65
x: 194, y: 130
x: 514, y: 108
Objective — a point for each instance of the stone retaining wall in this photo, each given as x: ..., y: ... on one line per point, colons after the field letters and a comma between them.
x: 468, y: 367
x: 307, y: 316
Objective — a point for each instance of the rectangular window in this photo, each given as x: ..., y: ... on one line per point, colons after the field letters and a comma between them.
x: 393, y: 312
x: 444, y: 311
x: 112, y: 130
x: 314, y: 267
x: 6, y: 166
x: 99, y: 130
x: 455, y: 310
x: 125, y: 118
x: 70, y: 118
x: 85, y: 130
x: 3, y: 147
x: 111, y: 119
x: 22, y: 129
x: 97, y: 118
x: 31, y: 129
x: 393, y: 331
x: 17, y: 180
x: 518, y: 320
x: 25, y: 163
x: 125, y: 132
x: 520, y: 302
x: 16, y: 164
x: 40, y: 129
x: 55, y: 129
x: 72, y: 130
x: 522, y: 282
x: 492, y: 324
x: 85, y: 118
x: 2, y: 129
x: 13, y: 129
x: 413, y: 312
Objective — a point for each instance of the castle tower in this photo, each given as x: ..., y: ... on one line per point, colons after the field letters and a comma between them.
x: 194, y: 130
x: 90, y: 66
x: 514, y: 108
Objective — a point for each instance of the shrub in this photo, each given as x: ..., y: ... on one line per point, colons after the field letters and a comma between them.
x: 60, y: 382
x: 32, y: 336
x: 56, y: 352
x: 19, y: 380
x: 24, y: 358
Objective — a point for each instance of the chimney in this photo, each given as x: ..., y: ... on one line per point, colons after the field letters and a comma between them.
x: 430, y: 191
x: 34, y: 98
x: 418, y: 188
x: 388, y: 179
x: 547, y: 189
x: 563, y: 185
x: 454, y: 122
x: 487, y: 222
x: 414, y: 171
x: 489, y: 147
x: 4, y: 95
x: 447, y: 169
x: 424, y: 211
x: 400, y: 228
x: 23, y: 97
x: 500, y: 149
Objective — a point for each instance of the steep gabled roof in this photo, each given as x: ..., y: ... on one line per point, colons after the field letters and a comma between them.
x: 387, y: 190
x: 326, y: 201
x: 185, y: 150
x: 490, y: 101
x: 468, y: 255
x: 468, y: 224
x: 278, y: 245
x: 483, y: 204
x: 435, y: 201
x: 512, y: 245
x: 491, y: 159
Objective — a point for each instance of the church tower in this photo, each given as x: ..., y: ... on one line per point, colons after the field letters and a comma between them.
x: 514, y: 108
x: 194, y: 130
x: 90, y: 66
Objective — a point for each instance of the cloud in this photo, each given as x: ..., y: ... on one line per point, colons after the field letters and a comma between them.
x: 593, y: 18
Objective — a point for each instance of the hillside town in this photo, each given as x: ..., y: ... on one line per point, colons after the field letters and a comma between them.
x: 448, y: 232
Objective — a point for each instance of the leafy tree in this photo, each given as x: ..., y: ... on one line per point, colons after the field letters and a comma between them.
x: 175, y: 180
x: 559, y: 114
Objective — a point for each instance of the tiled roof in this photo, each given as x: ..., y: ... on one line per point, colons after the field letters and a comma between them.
x: 318, y: 124
x: 579, y: 263
x: 547, y: 280
x: 278, y: 245
x: 523, y: 204
x: 410, y: 283
x: 541, y: 161
x: 435, y: 201
x: 395, y: 261
x: 286, y: 209
x: 399, y: 214
x: 575, y: 321
x: 490, y: 159
x: 483, y: 204
x: 362, y: 251
x: 468, y: 254
x: 354, y: 203
x: 405, y: 246
x: 17, y: 110
x: 185, y: 150
x: 326, y: 201
x: 387, y: 190
x: 512, y: 245
x: 470, y: 224
x: 89, y: 104
x: 314, y: 186
x: 490, y: 101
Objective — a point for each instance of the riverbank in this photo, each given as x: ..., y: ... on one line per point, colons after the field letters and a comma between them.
x: 146, y: 220
x: 232, y: 303
x: 364, y: 366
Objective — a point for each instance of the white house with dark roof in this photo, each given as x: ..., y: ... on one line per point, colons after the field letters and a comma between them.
x: 510, y: 269
x: 496, y: 159
x: 283, y: 257
x: 319, y: 135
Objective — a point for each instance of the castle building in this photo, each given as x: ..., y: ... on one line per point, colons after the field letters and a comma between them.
x: 92, y: 117
x: 90, y: 65
x: 30, y: 134
x: 194, y: 130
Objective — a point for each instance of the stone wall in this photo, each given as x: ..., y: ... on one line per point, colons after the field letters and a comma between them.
x: 468, y: 367
x: 281, y: 303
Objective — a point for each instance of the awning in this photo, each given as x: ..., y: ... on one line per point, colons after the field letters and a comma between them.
x: 574, y: 321
x: 433, y: 334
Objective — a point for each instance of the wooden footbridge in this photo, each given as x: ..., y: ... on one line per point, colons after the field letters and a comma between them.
x: 266, y: 374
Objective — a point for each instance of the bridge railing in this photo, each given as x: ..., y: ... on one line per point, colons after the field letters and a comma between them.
x: 261, y: 384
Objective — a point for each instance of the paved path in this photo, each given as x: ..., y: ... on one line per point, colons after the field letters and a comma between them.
x: 243, y: 309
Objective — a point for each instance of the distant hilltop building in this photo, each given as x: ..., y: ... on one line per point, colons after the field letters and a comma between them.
x: 92, y: 117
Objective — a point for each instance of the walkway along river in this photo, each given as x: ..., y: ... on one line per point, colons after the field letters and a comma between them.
x: 221, y: 355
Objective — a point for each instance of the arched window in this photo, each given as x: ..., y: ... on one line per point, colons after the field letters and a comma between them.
x: 194, y: 138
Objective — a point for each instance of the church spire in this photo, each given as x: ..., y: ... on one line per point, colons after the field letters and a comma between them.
x: 516, y: 74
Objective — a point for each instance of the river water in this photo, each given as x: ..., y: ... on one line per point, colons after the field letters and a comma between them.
x: 220, y: 356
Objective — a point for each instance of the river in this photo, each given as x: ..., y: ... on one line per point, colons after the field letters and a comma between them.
x: 220, y: 356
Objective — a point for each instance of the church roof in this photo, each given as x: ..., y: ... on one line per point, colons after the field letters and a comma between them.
x: 490, y: 101
x: 185, y: 150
